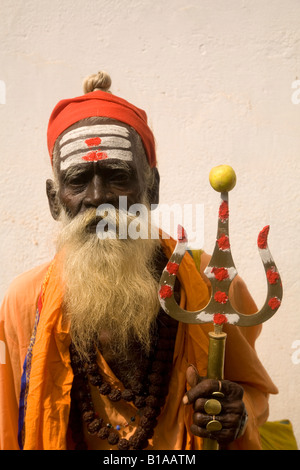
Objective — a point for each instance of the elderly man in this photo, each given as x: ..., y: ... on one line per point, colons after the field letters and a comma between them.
x: 91, y: 360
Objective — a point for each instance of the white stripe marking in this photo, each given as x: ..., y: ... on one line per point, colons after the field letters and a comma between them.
x: 78, y: 159
x: 109, y: 141
x: 99, y: 129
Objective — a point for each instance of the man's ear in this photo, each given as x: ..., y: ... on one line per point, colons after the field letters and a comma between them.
x: 153, y: 193
x: 53, y: 199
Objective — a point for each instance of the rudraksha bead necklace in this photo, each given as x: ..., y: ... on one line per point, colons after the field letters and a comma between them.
x: 147, y: 395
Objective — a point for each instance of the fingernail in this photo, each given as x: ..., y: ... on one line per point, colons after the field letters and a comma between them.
x: 185, y: 400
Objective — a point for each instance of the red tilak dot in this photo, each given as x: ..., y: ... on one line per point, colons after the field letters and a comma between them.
x: 95, y: 156
x: 219, y: 319
x: 223, y: 211
x: 165, y: 292
x: 272, y: 276
x: 220, y: 273
x: 274, y: 303
x: 93, y: 142
x: 262, y: 239
x: 172, y: 268
x: 221, y: 297
x: 223, y: 242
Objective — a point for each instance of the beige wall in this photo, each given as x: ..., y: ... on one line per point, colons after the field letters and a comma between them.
x: 216, y: 78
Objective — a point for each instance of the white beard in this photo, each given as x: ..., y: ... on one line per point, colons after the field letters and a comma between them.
x: 110, y: 287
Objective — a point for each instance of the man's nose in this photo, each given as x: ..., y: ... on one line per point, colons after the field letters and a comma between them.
x: 97, y: 193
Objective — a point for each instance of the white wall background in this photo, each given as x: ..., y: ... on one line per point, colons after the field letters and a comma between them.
x: 216, y: 79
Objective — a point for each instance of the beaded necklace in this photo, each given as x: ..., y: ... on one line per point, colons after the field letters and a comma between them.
x: 147, y: 395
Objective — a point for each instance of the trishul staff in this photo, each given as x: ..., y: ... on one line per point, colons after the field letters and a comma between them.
x: 221, y: 272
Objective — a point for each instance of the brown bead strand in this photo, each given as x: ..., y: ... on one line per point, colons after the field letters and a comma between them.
x: 149, y: 402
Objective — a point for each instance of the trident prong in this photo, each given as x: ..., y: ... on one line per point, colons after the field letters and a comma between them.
x: 221, y: 271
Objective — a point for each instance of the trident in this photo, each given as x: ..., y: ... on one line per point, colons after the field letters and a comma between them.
x: 221, y: 271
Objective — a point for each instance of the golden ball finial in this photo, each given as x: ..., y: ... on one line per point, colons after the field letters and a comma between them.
x: 222, y: 178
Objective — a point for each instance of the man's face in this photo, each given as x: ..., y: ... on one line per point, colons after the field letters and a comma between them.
x: 97, y: 164
x: 110, y: 284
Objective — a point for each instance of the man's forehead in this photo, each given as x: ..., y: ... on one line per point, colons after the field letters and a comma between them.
x: 93, y: 143
x: 104, y: 128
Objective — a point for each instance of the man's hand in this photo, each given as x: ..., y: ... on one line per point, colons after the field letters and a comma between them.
x: 233, y: 412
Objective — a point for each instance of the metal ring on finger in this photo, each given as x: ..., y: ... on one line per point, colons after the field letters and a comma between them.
x: 212, y: 407
x: 219, y: 393
x: 213, y: 425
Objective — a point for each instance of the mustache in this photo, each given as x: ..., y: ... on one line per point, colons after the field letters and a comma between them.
x: 93, y: 216
x: 110, y: 222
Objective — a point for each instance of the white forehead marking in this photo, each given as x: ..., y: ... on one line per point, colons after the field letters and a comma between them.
x: 93, y: 143
x: 106, y: 141
x: 94, y: 156
x: 99, y: 129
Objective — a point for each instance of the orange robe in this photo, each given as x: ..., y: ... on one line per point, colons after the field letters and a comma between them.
x: 46, y: 404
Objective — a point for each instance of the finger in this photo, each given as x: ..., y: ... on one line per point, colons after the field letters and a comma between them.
x: 232, y: 390
x: 198, y: 431
x: 231, y: 421
x: 224, y: 436
x: 199, y: 405
x: 227, y: 407
x: 233, y: 407
x: 209, y: 405
x: 192, y: 376
x: 205, y: 388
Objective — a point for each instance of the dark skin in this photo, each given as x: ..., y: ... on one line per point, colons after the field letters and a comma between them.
x: 233, y: 407
x: 87, y: 186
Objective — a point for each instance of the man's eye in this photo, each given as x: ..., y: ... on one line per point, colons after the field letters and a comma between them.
x: 77, y: 180
x: 120, y: 177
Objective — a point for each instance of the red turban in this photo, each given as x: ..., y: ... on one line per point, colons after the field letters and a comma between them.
x: 100, y: 103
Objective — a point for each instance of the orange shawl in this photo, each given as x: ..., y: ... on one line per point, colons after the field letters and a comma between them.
x: 47, y: 403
